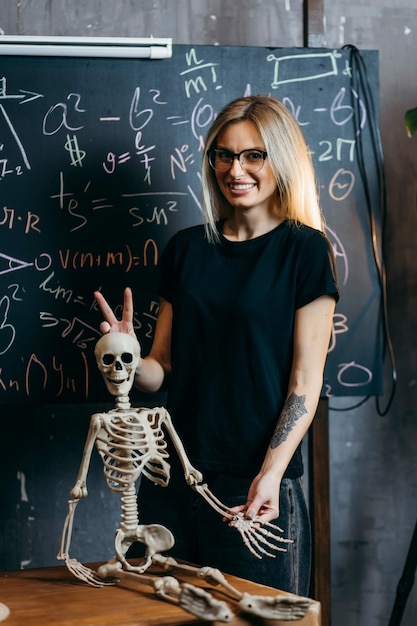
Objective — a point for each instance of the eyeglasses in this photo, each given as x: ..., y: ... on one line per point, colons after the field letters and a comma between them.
x: 252, y: 160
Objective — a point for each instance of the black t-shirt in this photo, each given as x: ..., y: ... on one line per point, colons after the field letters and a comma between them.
x: 232, y: 337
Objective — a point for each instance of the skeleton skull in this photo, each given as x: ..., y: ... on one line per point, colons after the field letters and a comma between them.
x: 117, y: 355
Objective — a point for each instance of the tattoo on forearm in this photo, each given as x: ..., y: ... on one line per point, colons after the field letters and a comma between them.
x: 293, y: 409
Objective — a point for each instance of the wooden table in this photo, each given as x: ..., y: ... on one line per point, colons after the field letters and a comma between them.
x: 52, y: 596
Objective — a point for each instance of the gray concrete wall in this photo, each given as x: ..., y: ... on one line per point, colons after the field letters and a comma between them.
x: 373, y: 460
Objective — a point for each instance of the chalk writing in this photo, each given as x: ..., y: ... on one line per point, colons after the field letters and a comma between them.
x: 19, y: 144
x: 353, y: 374
x: 339, y: 327
x: 76, y: 155
x: 100, y: 163
x: 7, y: 330
x: 340, y: 255
x: 58, y: 114
x: 124, y: 258
x: 24, y: 96
x: 39, y: 376
x: 10, y: 264
x: 301, y: 67
x: 341, y: 184
x: 200, y: 71
x: 181, y: 159
x: 29, y: 222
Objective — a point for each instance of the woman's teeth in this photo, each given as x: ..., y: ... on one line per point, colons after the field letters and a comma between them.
x: 240, y: 187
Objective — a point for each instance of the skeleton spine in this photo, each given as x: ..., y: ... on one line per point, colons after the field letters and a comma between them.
x: 130, y: 518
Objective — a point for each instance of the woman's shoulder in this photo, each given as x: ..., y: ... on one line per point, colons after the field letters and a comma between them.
x: 302, y: 233
x: 197, y: 231
x: 184, y: 239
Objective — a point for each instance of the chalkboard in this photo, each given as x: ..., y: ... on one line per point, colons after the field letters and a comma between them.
x: 100, y: 164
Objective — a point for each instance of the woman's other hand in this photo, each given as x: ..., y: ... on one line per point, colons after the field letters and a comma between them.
x: 111, y: 324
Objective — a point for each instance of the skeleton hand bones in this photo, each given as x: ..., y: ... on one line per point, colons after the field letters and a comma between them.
x: 258, y: 536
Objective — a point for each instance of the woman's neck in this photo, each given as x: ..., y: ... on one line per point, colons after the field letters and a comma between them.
x: 244, y: 229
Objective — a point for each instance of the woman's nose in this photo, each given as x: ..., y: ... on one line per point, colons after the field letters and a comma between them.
x: 236, y: 168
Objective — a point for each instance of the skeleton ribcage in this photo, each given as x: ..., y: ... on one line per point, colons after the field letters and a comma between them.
x: 131, y: 444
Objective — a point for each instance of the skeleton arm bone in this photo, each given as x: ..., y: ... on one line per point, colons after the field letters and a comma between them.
x: 192, y: 475
x: 257, y: 536
x: 64, y: 547
x: 80, y: 488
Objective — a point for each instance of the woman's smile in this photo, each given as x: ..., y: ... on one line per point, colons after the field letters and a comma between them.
x: 235, y: 186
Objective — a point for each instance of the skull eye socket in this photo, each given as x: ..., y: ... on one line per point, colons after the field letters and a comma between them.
x: 127, y: 357
x: 108, y: 359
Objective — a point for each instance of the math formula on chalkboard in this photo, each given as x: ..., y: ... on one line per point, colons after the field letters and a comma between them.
x: 100, y: 164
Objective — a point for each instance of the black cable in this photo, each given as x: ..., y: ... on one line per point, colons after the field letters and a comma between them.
x: 360, y: 87
x: 350, y: 408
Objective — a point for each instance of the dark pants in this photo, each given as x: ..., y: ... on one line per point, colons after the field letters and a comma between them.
x: 201, y: 537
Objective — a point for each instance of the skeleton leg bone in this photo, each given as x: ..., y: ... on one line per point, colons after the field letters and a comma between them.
x: 192, y: 599
x: 279, y: 607
x: 213, y: 576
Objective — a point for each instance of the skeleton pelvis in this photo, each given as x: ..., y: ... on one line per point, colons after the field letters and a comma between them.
x: 155, y: 537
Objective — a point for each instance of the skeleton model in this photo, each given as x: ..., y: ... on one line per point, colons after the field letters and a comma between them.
x: 131, y: 442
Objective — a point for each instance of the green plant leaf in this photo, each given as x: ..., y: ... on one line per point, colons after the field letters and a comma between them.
x: 410, y: 119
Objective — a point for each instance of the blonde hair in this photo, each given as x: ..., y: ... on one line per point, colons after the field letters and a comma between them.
x: 288, y: 156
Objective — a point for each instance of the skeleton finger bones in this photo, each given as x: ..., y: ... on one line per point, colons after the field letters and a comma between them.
x: 259, y: 537
x: 256, y: 536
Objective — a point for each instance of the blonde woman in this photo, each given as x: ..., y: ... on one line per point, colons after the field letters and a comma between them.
x: 246, y: 307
